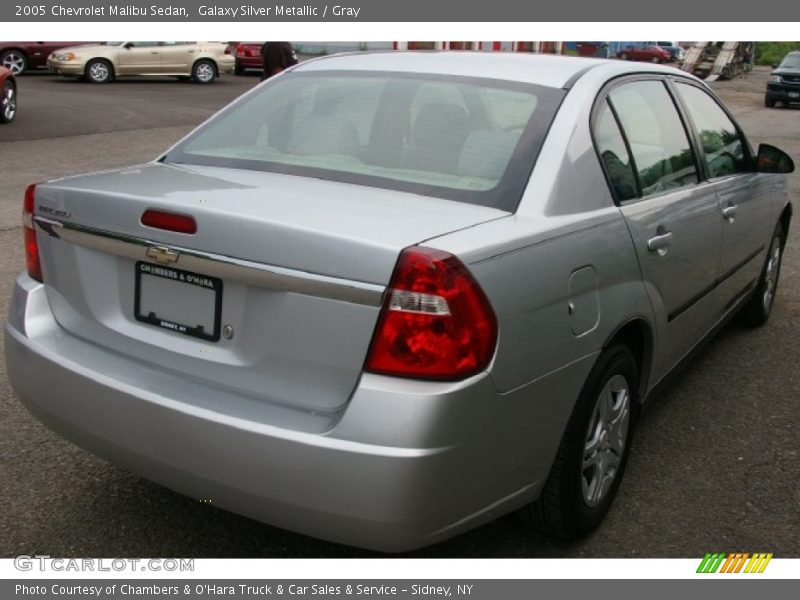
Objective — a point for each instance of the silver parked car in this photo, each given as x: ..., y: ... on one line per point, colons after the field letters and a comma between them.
x: 384, y: 298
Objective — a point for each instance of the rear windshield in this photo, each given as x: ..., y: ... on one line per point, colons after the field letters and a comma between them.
x: 466, y: 139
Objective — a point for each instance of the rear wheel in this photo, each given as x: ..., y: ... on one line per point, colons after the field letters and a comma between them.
x: 8, y: 103
x: 204, y: 71
x: 591, y: 459
x: 655, y: 59
x: 99, y: 70
x: 757, y: 310
x: 15, y: 61
x: 238, y: 69
x: 624, y: 56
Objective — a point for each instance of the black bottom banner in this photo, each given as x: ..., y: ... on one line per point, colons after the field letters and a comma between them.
x: 340, y: 589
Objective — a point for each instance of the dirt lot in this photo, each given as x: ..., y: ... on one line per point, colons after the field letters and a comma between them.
x: 716, y: 463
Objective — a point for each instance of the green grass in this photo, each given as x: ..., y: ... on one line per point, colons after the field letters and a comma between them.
x: 771, y: 53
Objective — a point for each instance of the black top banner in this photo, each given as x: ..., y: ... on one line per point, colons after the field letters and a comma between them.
x: 400, y: 11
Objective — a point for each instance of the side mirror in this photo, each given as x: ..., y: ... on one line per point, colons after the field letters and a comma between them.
x: 772, y: 160
x: 775, y: 66
x: 128, y: 45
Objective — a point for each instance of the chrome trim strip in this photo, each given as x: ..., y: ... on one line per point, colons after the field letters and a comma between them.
x: 218, y: 265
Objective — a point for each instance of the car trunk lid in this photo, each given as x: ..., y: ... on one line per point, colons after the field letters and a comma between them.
x: 284, y: 275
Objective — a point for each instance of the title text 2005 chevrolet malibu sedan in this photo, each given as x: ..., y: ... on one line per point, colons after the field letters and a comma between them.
x: 384, y: 298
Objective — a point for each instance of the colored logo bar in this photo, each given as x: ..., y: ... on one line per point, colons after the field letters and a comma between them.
x: 737, y: 562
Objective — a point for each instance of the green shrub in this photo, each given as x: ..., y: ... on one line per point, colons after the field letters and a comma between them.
x: 771, y: 53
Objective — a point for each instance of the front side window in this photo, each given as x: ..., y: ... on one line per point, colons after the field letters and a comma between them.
x: 465, y: 139
x: 660, y: 147
x: 723, y: 147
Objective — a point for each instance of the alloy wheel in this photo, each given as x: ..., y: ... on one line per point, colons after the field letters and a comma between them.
x: 605, y: 440
x: 14, y: 62
x: 8, y: 105
x: 204, y: 72
x: 771, y: 273
x: 99, y: 71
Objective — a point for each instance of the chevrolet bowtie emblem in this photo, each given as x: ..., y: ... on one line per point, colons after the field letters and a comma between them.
x: 163, y: 255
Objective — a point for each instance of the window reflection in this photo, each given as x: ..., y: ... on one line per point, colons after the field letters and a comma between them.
x: 659, y: 144
x: 722, y: 146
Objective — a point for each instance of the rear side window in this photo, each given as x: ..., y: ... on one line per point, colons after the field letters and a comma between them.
x: 723, y: 147
x: 662, y: 155
x: 614, y: 155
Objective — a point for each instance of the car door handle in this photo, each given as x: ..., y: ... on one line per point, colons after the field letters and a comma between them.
x: 156, y: 52
x: 729, y: 212
x: 659, y: 243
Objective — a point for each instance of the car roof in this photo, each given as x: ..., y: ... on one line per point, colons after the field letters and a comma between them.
x: 543, y: 69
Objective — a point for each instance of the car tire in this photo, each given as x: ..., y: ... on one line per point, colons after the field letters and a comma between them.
x: 624, y: 56
x: 15, y: 61
x: 759, y: 307
x: 769, y: 102
x: 238, y: 69
x: 8, y: 103
x: 99, y: 70
x: 204, y: 71
x: 655, y: 60
x: 591, y: 459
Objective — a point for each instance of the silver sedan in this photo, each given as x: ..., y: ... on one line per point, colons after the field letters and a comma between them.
x: 384, y: 298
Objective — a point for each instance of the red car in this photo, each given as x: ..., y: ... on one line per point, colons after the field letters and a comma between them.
x: 248, y: 56
x: 18, y: 57
x: 8, y: 100
x: 645, y: 53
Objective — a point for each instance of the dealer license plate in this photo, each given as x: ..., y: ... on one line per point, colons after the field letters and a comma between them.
x: 180, y: 301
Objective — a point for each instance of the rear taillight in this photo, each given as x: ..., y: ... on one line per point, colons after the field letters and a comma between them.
x: 436, y: 322
x: 168, y: 221
x: 31, y: 245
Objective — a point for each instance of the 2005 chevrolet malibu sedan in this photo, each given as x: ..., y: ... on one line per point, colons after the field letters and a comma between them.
x: 383, y: 298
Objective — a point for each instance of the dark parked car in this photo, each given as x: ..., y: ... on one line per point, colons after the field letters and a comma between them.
x: 18, y: 57
x: 8, y: 100
x: 649, y: 53
x: 248, y: 56
x: 784, y: 83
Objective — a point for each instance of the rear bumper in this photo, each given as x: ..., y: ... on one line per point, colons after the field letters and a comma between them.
x: 226, y: 63
x: 250, y: 62
x: 395, y: 472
